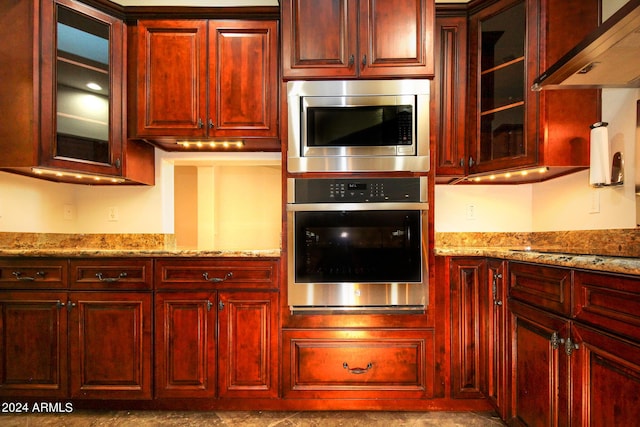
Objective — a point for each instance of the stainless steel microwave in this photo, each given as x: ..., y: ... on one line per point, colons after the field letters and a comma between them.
x: 358, y: 126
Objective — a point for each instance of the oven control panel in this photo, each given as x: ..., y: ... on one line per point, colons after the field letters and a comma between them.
x: 363, y: 190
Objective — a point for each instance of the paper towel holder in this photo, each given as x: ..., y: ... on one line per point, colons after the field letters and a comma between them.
x: 617, y: 172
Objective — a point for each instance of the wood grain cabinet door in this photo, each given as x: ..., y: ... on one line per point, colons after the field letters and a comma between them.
x: 247, y: 344
x: 319, y: 38
x: 110, y: 345
x: 185, y: 344
x: 540, y: 383
x: 33, y: 344
x: 396, y: 38
x: 171, y: 94
x: 243, y: 89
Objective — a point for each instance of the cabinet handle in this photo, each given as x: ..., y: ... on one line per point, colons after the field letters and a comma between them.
x: 471, y: 162
x: 210, y: 124
x: 364, y: 60
x: 555, y: 341
x: 227, y: 276
x: 22, y: 278
x: 220, y: 305
x: 200, y: 123
x: 352, y: 59
x: 59, y: 304
x: 569, y: 345
x: 462, y: 162
x: 111, y: 279
x: 209, y: 305
x: 357, y: 371
x: 70, y: 305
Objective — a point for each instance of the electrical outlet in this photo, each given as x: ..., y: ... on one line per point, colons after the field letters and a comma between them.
x: 69, y: 212
x: 113, y: 214
x: 471, y: 212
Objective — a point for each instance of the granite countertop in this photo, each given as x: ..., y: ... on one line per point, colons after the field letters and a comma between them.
x: 604, y: 263
x: 89, y: 252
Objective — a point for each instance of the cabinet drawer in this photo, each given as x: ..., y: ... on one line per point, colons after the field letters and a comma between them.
x: 542, y: 286
x: 121, y: 274
x: 33, y: 273
x: 218, y: 273
x: 608, y: 302
x: 358, y: 364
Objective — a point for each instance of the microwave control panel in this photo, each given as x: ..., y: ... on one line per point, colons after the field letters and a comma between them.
x: 365, y: 190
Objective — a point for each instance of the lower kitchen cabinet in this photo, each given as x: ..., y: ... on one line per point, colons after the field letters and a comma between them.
x: 216, y: 328
x: 110, y: 345
x: 495, y: 386
x: 369, y: 364
x: 33, y: 344
x: 540, y: 379
x: 191, y: 360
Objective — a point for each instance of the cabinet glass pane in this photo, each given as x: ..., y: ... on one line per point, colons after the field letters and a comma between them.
x: 502, y: 84
x: 502, y: 87
x: 503, y: 37
x: 502, y: 134
x: 82, y: 73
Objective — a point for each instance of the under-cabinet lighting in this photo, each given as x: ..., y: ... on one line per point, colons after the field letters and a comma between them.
x: 210, y: 144
x: 508, y: 175
x: 80, y: 177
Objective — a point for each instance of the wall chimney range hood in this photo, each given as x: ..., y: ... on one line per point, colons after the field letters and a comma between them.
x: 608, y: 57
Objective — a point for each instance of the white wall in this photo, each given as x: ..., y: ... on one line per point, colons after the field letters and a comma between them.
x: 566, y: 203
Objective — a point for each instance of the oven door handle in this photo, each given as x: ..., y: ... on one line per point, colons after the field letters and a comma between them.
x: 391, y: 206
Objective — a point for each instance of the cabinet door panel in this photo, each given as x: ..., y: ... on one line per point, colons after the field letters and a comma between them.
x: 540, y: 384
x: 607, y: 380
x: 111, y: 274
x: 396, y: 37
x: 319, y: 38
x: 110, y: 345
x: 33, y: 345
x: 243, y: 92
x: 542, y: 286
x: 185, y: 344
x: 469, y: 302
x: 247, y: 344
x: 40, y: 273
x: 172, y: 71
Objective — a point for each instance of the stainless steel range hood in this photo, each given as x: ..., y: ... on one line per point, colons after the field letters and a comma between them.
x: 608, y: 57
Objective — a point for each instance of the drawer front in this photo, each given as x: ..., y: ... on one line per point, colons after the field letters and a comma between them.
x: 33, y: 273
x: 358, y: 364
x: 545, y: 287
x: 609, y: 302
x: 218, y: 274
x: 105, y: 274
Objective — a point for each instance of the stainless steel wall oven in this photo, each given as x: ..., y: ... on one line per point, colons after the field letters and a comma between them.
x: 357, y: 244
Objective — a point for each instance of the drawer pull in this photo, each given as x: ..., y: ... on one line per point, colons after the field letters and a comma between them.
x: 227, y: 276
x: 345, y: 365
x: 111, y: 279
x: 22, y: 278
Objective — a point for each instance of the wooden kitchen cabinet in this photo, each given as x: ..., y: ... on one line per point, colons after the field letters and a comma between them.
x: 511, y: 126
x: 185, y: 344
x: 495, y: 387
x: 33, y: 344
x: 469, y: 334
x: 357, y: 38
x: 205, y: 80
x: 54, y: 126
x: 110, y: 352
x: 216, y: 328
x: 449, y: 93
x: 352, y: 364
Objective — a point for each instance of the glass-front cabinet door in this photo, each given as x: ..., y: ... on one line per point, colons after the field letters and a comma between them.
x: 85, y: 130
x: 500, y: 75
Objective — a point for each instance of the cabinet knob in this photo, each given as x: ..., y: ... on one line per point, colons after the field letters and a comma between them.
x: 471, y: 162
x: 352, y: 59
x: 210, y: 123
x: 220, y: 305
x: 364, y: 60
x: 200, y: 123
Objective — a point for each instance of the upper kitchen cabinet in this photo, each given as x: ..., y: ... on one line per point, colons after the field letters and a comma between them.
x: 357, y: 38
x: 205, y: 84
x: 512, y: 128
x: 62, y: 95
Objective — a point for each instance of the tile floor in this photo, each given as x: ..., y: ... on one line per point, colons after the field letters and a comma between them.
x: 83, y: 418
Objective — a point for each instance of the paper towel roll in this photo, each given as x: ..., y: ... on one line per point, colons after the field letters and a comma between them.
x: 600, y: 168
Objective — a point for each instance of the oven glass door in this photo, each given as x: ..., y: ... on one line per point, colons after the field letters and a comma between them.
x: 377, y: 246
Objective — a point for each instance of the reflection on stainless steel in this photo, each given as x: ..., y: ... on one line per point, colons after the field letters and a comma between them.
x: 365, y: 158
